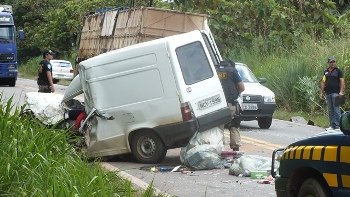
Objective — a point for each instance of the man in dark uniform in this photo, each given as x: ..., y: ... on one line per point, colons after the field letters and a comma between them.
x: 332, y: 84
x: 45, y: 81
x: 232, y: 85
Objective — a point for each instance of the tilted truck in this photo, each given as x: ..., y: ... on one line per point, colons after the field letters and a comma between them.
x: 117, y: 28
x: 8, y: 47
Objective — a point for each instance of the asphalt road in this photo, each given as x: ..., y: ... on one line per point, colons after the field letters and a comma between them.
x: 216, y: 182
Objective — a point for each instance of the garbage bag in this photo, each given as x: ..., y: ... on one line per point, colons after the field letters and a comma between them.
x: 248, y: 163
x: 203, y: 157
x: 203, y: 150
x: 214, y: 136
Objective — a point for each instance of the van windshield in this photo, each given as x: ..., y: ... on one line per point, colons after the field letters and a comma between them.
x: 194, y: 63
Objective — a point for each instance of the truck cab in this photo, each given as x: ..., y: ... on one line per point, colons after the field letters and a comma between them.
x: 8, y: 48
x: 316, y: 166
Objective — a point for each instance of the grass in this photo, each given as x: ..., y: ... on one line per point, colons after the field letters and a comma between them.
x: 38, y: 161
x: 319, y: 119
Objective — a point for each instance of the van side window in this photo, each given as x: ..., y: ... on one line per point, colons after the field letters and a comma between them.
x: 194, y: 63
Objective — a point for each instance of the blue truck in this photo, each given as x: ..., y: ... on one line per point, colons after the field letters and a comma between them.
x: 8, y: 47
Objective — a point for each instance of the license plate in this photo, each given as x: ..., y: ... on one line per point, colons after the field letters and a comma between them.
x: 250, y: 106
x: 203, y: 104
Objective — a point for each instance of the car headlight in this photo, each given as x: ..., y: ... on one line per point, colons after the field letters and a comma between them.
x: 269, y: 99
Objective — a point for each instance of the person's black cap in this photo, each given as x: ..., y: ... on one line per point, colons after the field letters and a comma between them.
x: 48, y: 52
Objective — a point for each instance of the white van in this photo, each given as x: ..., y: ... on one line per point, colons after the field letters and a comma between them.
x: 149, y: 97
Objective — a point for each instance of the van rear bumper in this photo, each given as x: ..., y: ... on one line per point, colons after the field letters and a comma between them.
x: 214, y: 119
x: 177, y: 134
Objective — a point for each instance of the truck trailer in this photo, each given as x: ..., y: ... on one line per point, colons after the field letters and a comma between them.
x: 107, y: 30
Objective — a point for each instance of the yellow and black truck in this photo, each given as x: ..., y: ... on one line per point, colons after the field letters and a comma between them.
x: 318, y: 166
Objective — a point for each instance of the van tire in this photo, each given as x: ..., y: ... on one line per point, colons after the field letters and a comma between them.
x: 312, y: 187
x: 265, y: 122
x: 147, y: 147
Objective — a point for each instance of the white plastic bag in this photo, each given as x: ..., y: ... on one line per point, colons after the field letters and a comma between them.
x: 203, y: 150
x: 248, y: 163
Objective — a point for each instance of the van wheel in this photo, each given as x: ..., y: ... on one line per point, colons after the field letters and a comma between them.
x: 147, y: 147
x: 264, y: 122
x: 311, y: 187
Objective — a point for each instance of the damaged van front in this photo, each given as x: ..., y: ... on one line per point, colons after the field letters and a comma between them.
x: 149, y: 97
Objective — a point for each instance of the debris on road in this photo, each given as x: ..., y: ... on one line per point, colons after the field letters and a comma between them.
x: 203, y: 152
x: 45, y: 107
x: 254, y: 166
x: 165, y: 168
x: 268, y: 180
x: 301, y: 120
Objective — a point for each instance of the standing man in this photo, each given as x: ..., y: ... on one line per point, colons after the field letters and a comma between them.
x: 45, y: 80
x: 232, y: 85
x: 332, y: 84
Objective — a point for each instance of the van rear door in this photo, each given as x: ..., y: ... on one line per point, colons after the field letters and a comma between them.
x: 198, y: 82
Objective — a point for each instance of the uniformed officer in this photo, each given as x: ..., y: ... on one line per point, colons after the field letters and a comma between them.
x: 232, y: 85
x: 45, y: 81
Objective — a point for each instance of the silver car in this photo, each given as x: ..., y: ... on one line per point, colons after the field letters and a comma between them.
x: 61, y: 69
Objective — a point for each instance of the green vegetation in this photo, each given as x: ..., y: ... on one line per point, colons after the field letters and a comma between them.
x: 292, y: 38
x: 37, y: 161
x: 286, y: 42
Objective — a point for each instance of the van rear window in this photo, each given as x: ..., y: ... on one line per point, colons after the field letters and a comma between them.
x: 194, y: 63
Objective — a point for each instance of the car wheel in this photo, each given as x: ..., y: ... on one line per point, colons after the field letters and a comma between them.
x: 311, y: 187
x: 264, y: 122
x: 147, y: 147
x: 55, y: 81
x: 12, y: 82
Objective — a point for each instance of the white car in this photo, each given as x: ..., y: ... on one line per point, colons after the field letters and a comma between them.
x: 258, y: 101
x: 61, y: 69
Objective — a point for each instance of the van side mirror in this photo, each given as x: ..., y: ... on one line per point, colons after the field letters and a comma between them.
x: 21, y: 34
x: 262, y: 80
x: 345, y: 123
